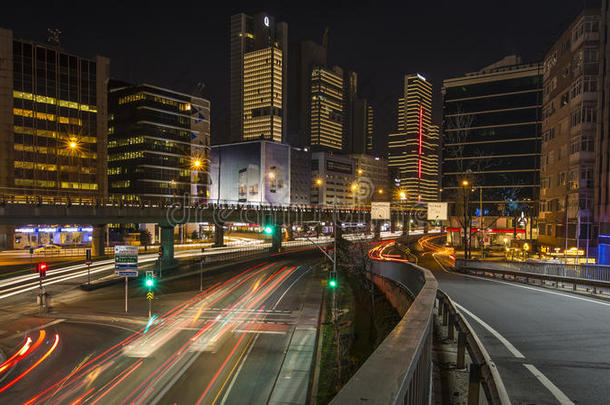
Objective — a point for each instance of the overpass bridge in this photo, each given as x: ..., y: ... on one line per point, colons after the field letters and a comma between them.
x: 169, y: 213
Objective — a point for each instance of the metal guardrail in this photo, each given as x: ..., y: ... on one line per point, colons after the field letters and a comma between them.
x: 399, y: 370
x: 582, y: 271
x: 482, y: 370
x: 482, y: 268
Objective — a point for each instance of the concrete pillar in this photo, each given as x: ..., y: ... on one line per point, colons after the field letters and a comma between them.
x: 289, y: 232
x: 377, y: 227
x: 97, y: 240
x: 276, y: 238
x: 219, y: 235
x: 7, y: 237
x: 167, y: 244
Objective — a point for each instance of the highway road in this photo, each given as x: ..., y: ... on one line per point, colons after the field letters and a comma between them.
x: 247, y: 338
x: 550, y: 346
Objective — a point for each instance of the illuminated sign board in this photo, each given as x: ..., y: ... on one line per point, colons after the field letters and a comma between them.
x: 266, y: 21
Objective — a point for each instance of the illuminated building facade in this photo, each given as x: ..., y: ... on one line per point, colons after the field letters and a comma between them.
x: 258, y: 72
x: 326, y: 111
x: 569, y: 123
x: 413, y: 149
x: 158, y: 143
x: 491, y: 137
x: 262, y: 96
x: 53, y: 120
x: 333, y: 179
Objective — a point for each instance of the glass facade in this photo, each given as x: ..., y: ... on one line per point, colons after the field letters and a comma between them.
x: 158, y: 143
x: 491, y: 134
x: 56, y: 147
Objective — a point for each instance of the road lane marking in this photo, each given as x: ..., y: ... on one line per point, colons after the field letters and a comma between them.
x: 494, y: 332
x: 562, y: 294
x: 557, y: 393
x: 46, y: 325
x: 253, y: 341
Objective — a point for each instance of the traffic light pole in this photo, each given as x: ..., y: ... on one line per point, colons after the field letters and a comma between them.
x: 126, y: 289
x: 41, y: 292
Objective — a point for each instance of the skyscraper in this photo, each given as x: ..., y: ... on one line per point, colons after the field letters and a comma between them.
x: 158, y: 142
x: 304, y: 56
x: 259, y: 65
x: 53, y: 126
x: 326, y: 111
x: 413, y: 149
x: 53, y: 120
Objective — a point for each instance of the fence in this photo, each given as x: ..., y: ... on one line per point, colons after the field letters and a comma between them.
x: 399, y: 370
x: 482, y: 370
x: 581, y: 271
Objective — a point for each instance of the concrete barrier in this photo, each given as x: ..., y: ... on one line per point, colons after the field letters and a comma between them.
x: 399, y: 370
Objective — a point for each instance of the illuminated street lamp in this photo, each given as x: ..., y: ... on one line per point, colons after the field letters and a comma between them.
x: 197, y: 163
x: 72, y: 145
x: 271, y: 174
x: 354, y: 187
x: 380, y: 191
x: 319, y: 181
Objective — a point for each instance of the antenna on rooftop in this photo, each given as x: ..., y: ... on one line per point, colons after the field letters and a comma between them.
x: 54, y: 34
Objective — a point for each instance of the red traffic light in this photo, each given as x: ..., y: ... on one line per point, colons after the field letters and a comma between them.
x: 42, y: 269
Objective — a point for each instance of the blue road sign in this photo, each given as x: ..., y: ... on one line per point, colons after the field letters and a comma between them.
x: 126, y: 273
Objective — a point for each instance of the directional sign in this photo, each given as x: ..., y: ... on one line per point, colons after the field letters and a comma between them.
x: 437, y: 211
x: 125, y: 257
x: 126, y: 273
x: 150, y: 296
x: 380, y: 210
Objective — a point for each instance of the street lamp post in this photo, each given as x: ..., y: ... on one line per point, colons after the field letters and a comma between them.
x: 467, y: 223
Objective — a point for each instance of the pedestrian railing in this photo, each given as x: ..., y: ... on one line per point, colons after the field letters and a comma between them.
x: 482, y: 370
x: 581, y: 271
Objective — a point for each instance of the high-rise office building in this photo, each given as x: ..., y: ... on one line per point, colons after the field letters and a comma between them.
x: 370, y: 125
x: 259, y: 66
x: 569, y: 123
x: 413, y: 149
x: 53, y: 117
x: 158, y: 143
x: 355, y: 115
x: 304, y: 56
x: 491, y: 134
x: 326, y: 111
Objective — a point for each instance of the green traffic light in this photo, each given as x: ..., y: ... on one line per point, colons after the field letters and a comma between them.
x: 268, y: 230
x: 332, y: 283
x: 149, y: 282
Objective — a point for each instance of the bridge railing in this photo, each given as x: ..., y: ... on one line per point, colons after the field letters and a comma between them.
x: 399, y: 370
x: 582, y: 271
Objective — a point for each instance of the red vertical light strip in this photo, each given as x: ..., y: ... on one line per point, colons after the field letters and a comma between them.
x: 421, y: 138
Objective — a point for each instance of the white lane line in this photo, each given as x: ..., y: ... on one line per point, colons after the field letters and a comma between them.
x: 494, y: 332
x: 234, y: 378
x: 557, y: 393
x: 567, y: 295
x: 46, y: 325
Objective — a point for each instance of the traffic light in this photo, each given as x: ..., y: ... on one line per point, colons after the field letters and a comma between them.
x: 42, y: 269
x: 160, y: 252
x: 268, y: 230
x: 332, y: 280
x: 150, y: 281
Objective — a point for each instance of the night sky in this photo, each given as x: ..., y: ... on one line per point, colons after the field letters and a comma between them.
x: 177, y: 44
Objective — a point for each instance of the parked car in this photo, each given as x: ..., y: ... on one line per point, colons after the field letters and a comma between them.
x: 48, y: 249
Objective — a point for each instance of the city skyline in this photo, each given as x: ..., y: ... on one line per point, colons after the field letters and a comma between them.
x: 359, y: 38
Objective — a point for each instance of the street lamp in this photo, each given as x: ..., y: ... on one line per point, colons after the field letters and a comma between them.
x: 319, y: 181
x: 467, y: 219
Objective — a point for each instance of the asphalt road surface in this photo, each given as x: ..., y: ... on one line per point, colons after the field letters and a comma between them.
x: 227, y: 344
x: 550, y: 347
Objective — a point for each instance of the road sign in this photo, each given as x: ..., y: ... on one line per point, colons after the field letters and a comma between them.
x: 126, y: 273
x: 380, y: 210
x: 125, y: 257
x: 437, y: 211
x: 150, y: 295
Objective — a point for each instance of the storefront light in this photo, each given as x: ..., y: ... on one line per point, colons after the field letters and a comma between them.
x: 87, y: 229
x: 71, y: 229
x: 47, y: 229
x: 24, y: 230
